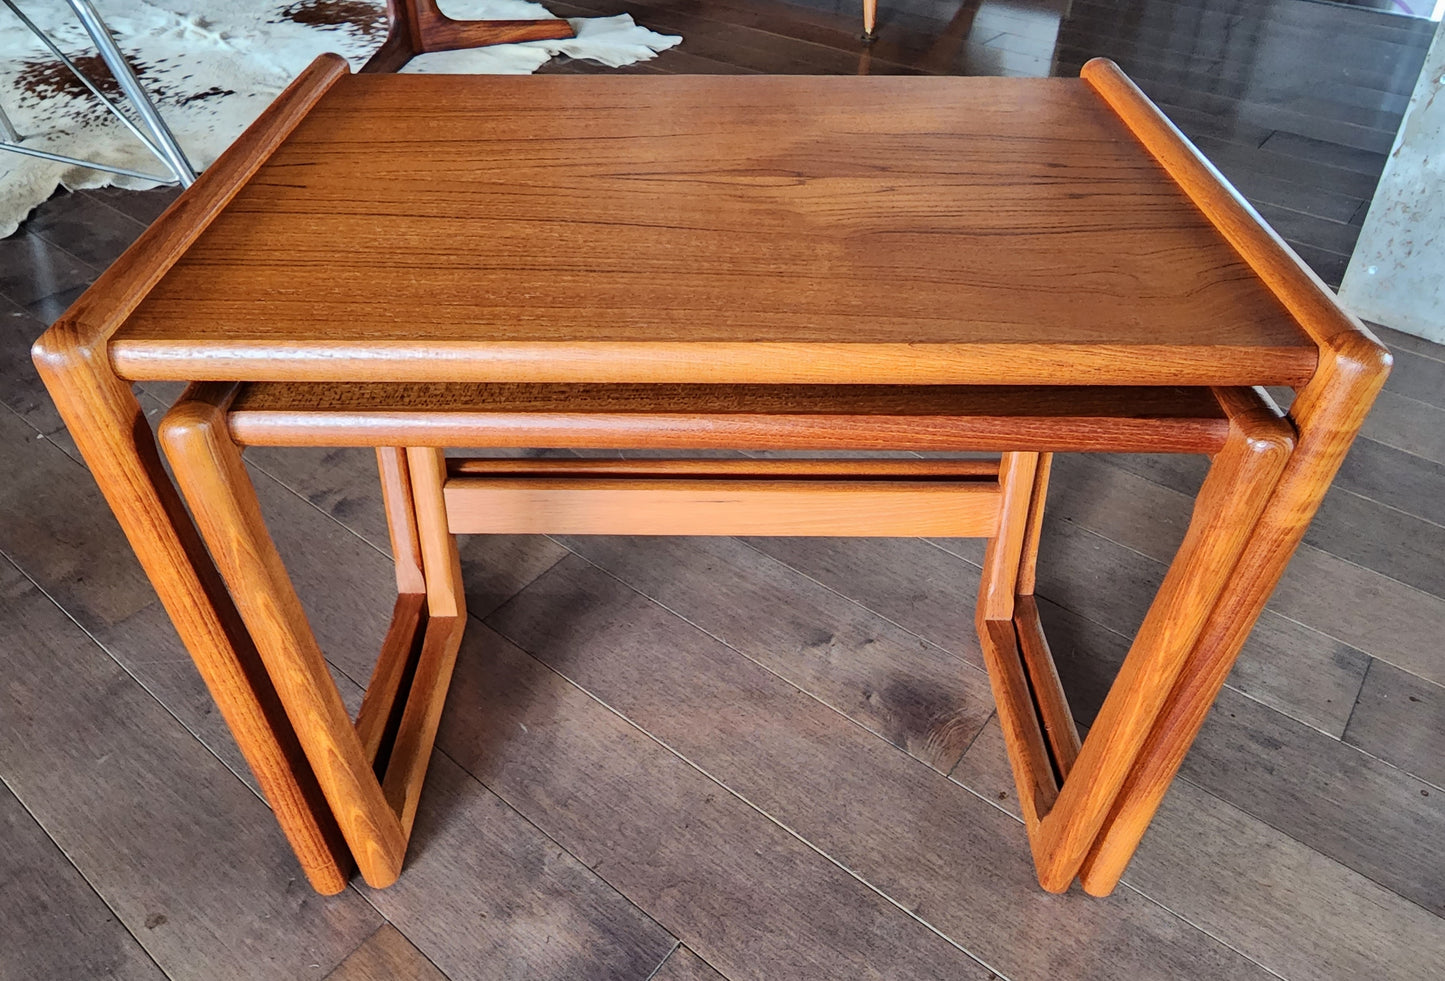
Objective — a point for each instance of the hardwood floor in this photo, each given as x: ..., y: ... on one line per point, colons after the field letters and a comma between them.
x: 688, y: 759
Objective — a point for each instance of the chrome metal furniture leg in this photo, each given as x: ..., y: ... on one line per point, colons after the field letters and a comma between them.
x: 164, y: 141
x: 156, y: 135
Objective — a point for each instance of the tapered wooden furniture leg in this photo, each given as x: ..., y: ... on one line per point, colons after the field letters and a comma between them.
x: 209, y: 469
x: 1327, y: 414
x: 870, y: 18
x: 1240, y: 480
x: 109, y: 428
x: 419, y: 26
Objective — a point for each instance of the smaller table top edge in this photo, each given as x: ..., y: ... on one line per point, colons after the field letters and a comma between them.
x: 721, y: 362
x: 1335, y: 330
x: 104, y: 307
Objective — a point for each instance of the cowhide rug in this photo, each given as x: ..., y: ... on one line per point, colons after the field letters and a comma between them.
x: 212, y: 65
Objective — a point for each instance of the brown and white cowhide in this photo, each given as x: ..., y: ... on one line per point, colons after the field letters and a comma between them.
x: 212, y: 65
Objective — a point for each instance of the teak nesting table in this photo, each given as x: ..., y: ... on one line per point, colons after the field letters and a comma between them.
x: 1025, y: 266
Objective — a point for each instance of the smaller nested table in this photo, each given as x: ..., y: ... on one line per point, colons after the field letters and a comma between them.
x: 1020, y: 266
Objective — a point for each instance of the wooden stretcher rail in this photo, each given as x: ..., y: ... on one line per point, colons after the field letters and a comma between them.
x: 702, y: 506
x: 883, y: 468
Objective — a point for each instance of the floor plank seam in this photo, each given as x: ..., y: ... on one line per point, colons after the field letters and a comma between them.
x: 665, y: 958
x: 1208, y: 933
x: 543, y: 832
x: 362, y: 943
x: 787, y: 681
x: 954, y: 769
x: 100, y: 897
x: 1399, y: 586
x: 863, y: 606
x: 259, y: 468
x: 763, y: 812
x: 130, y: 674
x: 1390, y: 507
x: 60, y: 248
x: 1358, y: 695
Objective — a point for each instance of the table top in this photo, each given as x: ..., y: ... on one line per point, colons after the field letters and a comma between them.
x: 730, y: 229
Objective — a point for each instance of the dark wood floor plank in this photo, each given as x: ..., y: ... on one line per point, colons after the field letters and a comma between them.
x: 487, y: 896
x: 1398, y: 479
x: 1359, y: 607
x: 347, y: 586
x: 1322, y: 233
x: 1286, y: 906
x: 1302, y: 672
x: 1232, y: 158
x: 69, y: 543
x: 1333, y: 154
x: 1364, y: 814
x: 187, y: 857
x: 901, y: 827
x: 52, y: 924
x: 1392, y: 542
x: 85, y: 227
x: 908, y: 581
x: 1281, y: 18
x: 929, y: 591
x: 1400, y: 717
x: 1399, y: 341
x: 1262, y: 188
x: 1356, y: 124
x: 1328, y: 265
x: 918, y: 697
x: 144, y: 206
x: 1418, y: 377
x: 344, y: 484
x: 20, y: 389
x: 684, y: 965
x: 750, y: 898
x: 1408, y: 425
x: 1364, y: 609
x: 386, y: 956
x: 1275, y: 56
x: 35, y: 274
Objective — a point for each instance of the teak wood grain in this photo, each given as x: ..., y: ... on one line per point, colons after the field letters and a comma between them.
x: 616, y: 228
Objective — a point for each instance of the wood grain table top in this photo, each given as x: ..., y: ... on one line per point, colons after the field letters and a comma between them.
x: 713, y: 229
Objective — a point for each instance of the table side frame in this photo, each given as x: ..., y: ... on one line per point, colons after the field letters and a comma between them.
x: 106, y: 421
x: 1326, y: 415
